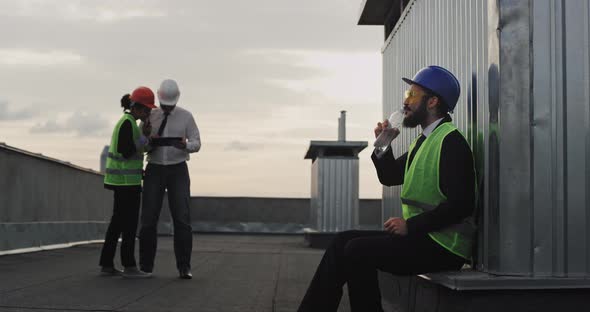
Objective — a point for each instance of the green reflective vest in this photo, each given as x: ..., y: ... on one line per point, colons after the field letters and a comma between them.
x: 122, y: 171
x: 421, y: 192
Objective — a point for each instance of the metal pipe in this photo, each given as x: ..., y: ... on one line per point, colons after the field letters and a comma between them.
x: 342, y: 126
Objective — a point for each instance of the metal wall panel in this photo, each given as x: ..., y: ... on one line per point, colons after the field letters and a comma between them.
x: 524, y: 69
x: 335, y: 193
x: 560, y: 137
x: 514, y: 226
x: 543, y: 72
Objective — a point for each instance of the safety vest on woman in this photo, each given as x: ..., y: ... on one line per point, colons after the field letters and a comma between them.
x: 421, y: 192
x: 123, y: 171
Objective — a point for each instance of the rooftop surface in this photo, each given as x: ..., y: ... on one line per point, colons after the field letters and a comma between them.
x: 230, y: 273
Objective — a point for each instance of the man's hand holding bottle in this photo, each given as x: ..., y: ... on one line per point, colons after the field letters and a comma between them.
x: 388, y: 130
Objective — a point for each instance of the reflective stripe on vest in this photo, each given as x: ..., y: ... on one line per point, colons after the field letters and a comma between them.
x: 121, y: 171
x: 124, y: 171
x: 467, y: 227
x: 121, y: 158
x: 415, y: 203
x: 421, y: 192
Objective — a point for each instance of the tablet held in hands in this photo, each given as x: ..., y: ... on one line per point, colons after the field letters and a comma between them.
x: 166, y: 141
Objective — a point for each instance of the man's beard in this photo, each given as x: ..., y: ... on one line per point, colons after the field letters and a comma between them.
x: 418, y: 116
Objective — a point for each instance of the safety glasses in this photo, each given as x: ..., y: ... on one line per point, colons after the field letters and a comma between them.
x: 409, y: 93
x: 412, y: 93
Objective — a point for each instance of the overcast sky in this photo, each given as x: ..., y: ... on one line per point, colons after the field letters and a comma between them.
x: 261, y: 77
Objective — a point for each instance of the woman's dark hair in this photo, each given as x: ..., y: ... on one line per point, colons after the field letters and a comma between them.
x: 126, y: 101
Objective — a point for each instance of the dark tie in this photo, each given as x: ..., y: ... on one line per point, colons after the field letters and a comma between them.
x: 416, y: 147
x: 163, y: 125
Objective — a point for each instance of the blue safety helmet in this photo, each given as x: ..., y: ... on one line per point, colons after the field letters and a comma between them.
x: 439, y: 81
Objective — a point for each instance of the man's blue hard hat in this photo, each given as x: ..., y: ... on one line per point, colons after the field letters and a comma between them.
x: 439, y: 81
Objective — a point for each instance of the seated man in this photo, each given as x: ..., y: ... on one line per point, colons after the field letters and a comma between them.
x: 438, y: 197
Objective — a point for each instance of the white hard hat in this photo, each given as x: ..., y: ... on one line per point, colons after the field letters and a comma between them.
x: 168, y: 93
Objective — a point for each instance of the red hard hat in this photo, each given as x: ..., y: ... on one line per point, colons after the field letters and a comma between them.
x: 143, y: 96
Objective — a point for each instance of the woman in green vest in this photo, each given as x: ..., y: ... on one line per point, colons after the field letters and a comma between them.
x: 438, y: 196
x: 123, y: 176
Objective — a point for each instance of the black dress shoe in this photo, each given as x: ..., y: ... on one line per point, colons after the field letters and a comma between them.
x: 185, y: 273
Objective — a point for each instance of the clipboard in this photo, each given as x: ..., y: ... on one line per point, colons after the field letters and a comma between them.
x: 166, y: 141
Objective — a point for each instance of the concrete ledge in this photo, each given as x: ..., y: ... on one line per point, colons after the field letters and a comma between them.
x: 49, y: 247
x: 418, y: 293
x: 41, y: 234
x: 249, y: 209
x: 167, y: 228
x: 397, y: 292
x: 473, y: 280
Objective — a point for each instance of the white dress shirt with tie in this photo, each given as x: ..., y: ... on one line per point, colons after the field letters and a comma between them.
x: 180, y: 123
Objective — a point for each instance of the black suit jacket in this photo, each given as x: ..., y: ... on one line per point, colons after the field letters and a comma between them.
x: 456, y: 180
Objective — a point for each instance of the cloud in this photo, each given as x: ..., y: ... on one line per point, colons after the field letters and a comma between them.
x: 50, y: 126
x: 336, y: 73
x: 255, y: 59
x: 6, y: 114
x: 39, y: 58
x: 87, y: 124
x: 103, y: 11
x: 82, y: 124
x: 242, y: 146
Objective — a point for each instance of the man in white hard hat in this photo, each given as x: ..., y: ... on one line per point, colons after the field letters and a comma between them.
x: 174, y: 135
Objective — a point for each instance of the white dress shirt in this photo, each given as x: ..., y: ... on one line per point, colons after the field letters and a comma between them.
x: 180, y: 123
x: 426, y: 132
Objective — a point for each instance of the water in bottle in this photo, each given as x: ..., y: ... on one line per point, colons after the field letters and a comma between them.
x: 395, y: 122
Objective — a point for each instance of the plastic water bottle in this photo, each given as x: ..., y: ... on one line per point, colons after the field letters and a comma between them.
x: 386, y: 136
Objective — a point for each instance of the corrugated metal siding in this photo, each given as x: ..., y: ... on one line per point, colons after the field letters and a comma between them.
x: 449, y: 33
x: 314, y: 204
x: 541, y: 56
x: 510, y: 104
x: 336, y: 201
x: 560, y: 131
x: 525, y: 110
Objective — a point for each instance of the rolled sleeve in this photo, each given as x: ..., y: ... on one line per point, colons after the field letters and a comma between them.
x: 193, y: 144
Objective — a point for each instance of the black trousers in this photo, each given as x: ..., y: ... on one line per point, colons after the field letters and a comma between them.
x: 123, y: 223
x: 354, y: 257
x: 158, y: 179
